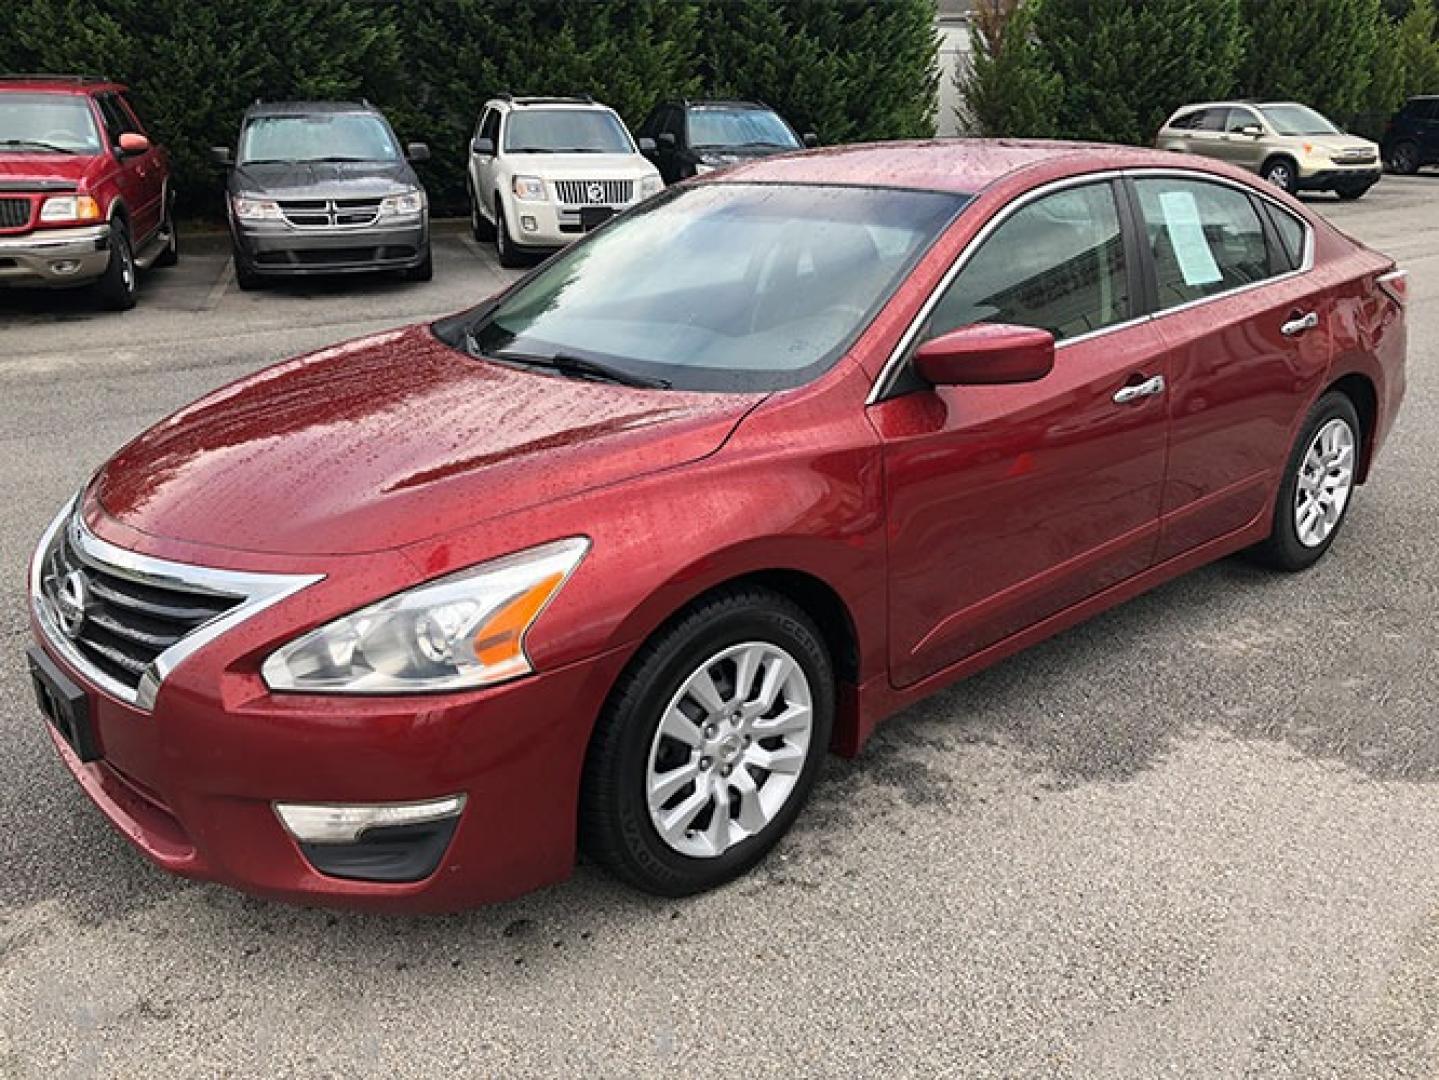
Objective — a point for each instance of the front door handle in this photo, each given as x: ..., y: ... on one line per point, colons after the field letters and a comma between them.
x: 1296, y: 326
x: 1148, y: 388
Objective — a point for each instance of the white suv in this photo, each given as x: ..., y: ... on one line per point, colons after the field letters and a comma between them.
x: 545, y: 171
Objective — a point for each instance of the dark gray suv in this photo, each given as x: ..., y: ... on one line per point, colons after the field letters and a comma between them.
x: 324, y: 188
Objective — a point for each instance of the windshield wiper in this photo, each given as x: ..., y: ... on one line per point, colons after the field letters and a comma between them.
x: 338, y: 158
x: 38, y: 144
x: 566, y: 364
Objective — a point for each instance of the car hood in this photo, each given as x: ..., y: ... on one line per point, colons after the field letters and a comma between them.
x: 45, y: 171
x: 580, y: 166
x: 392, y: 439
x: 324, y: 180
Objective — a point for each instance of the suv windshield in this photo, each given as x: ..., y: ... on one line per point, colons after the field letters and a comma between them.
x: 565, y: 131
x: 718, y: 287
x: 715, y: 127
x: 1297, y: 120
x: 47, y: 123
x: 321, y: 137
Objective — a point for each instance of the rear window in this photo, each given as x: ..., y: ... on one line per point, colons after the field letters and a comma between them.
x: 1291, y: 235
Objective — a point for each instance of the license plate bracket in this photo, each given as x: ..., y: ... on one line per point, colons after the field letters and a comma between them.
x: 65, y: 705
x: 592, y: 217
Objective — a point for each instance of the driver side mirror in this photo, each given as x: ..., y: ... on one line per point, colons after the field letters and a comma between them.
x: 986, y: 354
x: 811, y: 140
x: 133, y: 143
x: 222, y: 155
x: 667, y: 140
x: 417, y: 151
x: 1252, y: 130
x: 483, y: 147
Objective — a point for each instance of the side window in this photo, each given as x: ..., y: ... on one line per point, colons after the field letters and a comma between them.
x: 1056, y: 264
x: 1188, y: 120
x: 1291, y: 235
x: 490, y: 127
x: 1213, y: 120
x: 128, y: 113
x: 1240, y: 119
x: 1206, y: 238
x: 114, y: 124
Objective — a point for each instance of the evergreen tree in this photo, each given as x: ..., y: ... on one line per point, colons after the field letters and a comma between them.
x: 1007, y: 88
x: 1417, y: 52
x: 1125, y: 65
x: 1320, y: 52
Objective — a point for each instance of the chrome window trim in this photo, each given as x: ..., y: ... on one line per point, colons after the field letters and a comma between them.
x: 255, y: 591
x: 899, y: 354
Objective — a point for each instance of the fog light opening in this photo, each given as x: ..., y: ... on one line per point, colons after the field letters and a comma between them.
x: 528, y: 223
x: 64, y: 266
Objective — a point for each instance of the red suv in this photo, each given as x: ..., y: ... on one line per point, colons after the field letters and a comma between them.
x: 85, y: 196
x: 615, y: 557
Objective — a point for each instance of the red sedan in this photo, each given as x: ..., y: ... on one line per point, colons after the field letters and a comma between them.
x: 615, y: 557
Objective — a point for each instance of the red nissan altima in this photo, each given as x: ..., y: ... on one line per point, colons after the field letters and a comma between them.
x: 613, y: 559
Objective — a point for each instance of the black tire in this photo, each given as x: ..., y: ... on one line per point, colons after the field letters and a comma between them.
x: 1282, y: 172
x: 1404, y: 159
x: 483, y: 231
x: 1283, y: 550
x: 505, y: 250
x: 116, y: 287
x: 615, y: 825
x: 245, y: 277
x: 424, y: 272
x: 171, y: 255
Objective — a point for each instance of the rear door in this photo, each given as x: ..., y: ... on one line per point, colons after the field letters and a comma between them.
x: 1248, y: 342
x: 1007, y: 504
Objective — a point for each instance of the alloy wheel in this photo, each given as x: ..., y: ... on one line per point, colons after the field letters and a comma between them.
x: 1326, y: 479
x: 729, y: 749
x: 1278, y: 175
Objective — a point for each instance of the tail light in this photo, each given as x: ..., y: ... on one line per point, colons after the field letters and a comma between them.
x: 1396, y: 284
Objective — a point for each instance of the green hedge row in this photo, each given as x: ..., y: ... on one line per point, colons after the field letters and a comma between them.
x: 845, y: 69
x: 1116, y: 69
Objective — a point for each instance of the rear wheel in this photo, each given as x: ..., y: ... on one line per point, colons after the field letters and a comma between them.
x: 116, y: 287
x: 171, y: 254
x: 709, y: 744
x: 1317, y: 486
x: 1282, y: 173
x: 1404, y: 159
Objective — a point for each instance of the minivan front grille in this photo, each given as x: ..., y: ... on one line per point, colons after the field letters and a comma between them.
x: 594, y: 192
x: 14, y: 213
x: 328, y: 213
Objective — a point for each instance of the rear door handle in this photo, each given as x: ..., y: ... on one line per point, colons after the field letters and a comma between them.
x: 1297, y: 326
x: 1148, y: 388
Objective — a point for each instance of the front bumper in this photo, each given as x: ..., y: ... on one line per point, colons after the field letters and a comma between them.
x: 1337, y: 176
x: 194, y: 784
x: 279, y: 249
x: 55, y: 257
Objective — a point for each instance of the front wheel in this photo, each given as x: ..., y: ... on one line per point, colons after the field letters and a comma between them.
x: 1282, y: 174
x: 424, y: 272
x: 116, y: 287
x: 245, y: 277
x: 1316, y: 488
x: 1404, y: 159
x: 505, y: 250
x: 709, y: 744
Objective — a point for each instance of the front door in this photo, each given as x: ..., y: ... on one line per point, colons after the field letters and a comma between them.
x: 1007, y: 504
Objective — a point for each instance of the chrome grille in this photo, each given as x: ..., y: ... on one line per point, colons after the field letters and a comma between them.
x: 125, y: 620
x: 14, y: 213
x: 329, y: 213
x: 120, y: 625
x: 1356, y: 157
x: 594, y: 192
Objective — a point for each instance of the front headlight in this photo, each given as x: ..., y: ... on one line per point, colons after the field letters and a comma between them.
x: 407, y: 205
x: 70, y: 208
x: 651, y: 185
x: 530, y: 188
x: 251, y: 209
x: 457, y: 633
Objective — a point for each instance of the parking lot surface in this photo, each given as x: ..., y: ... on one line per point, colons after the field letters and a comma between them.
x: 1198, y: 836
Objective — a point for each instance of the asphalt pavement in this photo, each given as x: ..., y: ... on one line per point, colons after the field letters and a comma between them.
x: 1197, y: 836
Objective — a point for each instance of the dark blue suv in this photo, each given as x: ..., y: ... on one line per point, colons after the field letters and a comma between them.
x: 1411, y: 139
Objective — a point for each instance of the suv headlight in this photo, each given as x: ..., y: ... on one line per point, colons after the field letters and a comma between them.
x: 530, y: 188
x: 457, y: 633
x: 407, y: 205
x: 70, y: 208
x: 248, y: 208
x: 651, y: 185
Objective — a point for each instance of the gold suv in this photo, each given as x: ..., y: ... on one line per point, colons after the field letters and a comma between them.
x: 1290, y: 145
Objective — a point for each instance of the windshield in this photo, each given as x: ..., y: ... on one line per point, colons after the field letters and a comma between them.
x: 321, y: 137
x: 565, y: 131
x: 47, y: 123
x: 721, y: 286
x: 713, y: 128
x: 1297, y: 120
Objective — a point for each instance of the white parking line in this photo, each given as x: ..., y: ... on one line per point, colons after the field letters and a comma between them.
x: 217, y: 291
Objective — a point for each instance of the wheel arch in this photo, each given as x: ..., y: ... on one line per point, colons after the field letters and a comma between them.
x: 1360, y: 389
x: 1280, y: 155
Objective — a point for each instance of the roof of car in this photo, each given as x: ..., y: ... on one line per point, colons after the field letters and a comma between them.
x: 307, y: 108
x: 585, y: 102
x: 63, y: 84
x: 959, y: 165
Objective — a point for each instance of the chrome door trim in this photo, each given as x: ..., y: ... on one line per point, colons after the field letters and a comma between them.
x: 899, y: 355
